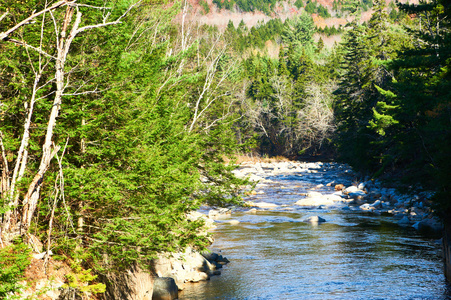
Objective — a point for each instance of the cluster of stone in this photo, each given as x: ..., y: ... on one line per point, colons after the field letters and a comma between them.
x: 189, y: 266
x: 368, y: 195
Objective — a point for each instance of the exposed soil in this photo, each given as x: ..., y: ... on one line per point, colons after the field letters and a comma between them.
x: 38, y: 276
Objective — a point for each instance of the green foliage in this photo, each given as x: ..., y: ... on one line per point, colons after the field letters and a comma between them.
x: 205, y: 6
x: 280, y: 95
x: 382, y: 118
x: 142, y: 170
x: 299, y: 32
x: 265, y: 6
x: 14, y: 260
x: 138, y: 157
x: 312, y: 7
x: 364, y: 111
x: 80, y: 281
x: 423, y: 94
x: 393, y: 103
x: 329, y: 31
x: 242, y: 39
x: 299, y: 4
x: 353, y: 7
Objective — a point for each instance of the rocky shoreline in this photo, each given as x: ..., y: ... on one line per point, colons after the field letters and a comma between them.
x: 349, y: 193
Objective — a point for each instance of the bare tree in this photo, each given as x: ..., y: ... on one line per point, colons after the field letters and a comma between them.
x: 291, y: 124
x: 65, y: 31
x: 315, y: 120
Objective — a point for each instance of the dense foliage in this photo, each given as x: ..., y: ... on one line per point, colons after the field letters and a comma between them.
x: 286, y: 100
x: 143, y: 131
x: 313, y: 7
x: 266, y: 6
x: 393, y: 102
x: 14, y: 260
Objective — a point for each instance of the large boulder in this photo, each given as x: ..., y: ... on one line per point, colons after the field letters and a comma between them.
x: 189, y: 266
x: 367, y: 207
x: 357, y: 195
x: 134, y: 284
x: 430, y: 226
x: 339, y: 187
x: 405, y: 221
x: 165, y: 288
x: 219, y: 213
x: 351, y: 189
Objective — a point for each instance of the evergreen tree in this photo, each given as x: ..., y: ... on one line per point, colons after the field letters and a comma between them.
x: 367, y: 50
x: 421, y: 93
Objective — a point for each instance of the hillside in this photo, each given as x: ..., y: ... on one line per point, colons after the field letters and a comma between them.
x: 220, y: 17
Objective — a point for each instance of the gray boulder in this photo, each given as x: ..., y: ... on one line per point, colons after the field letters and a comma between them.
x: 430, y: 227
x: 164, y: 288
x: 351, y: 189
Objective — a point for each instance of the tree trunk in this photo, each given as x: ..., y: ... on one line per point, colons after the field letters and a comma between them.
x: 30, y: 200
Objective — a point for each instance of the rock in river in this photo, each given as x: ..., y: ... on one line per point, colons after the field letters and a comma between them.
x: 314, y: 219
x: 318, y: 200
x: 261, y: 204
x: 164, y: 288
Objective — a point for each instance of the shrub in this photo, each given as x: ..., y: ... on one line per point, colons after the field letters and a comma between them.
x: 14, y: 260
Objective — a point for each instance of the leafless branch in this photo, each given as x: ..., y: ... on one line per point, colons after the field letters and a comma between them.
x: 117, y: 21
x: 90, y: 6
x: 4, y: 35
x: 17, y: 42
x: 85, y: 93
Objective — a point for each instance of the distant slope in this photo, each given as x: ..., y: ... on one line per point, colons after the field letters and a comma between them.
x: 220, y: 17
x: 282, y: 9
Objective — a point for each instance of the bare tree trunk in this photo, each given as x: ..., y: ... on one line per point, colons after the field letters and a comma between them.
x: 21, y: 160
x: 4, y: 187
x: 31, y: 198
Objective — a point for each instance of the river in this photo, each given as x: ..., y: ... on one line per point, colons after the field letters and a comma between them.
x: 355, y: 254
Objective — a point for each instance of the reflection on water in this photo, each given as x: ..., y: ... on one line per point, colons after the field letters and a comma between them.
x: 274, y: 255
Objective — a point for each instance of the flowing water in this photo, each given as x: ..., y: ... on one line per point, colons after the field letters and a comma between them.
x: 354, y: 255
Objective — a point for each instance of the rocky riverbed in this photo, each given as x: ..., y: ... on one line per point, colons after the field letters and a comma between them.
x: 320, y: 187
x: 339, y: 187
x: 320, y: 231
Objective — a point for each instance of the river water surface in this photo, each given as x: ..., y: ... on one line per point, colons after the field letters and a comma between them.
x: 274, y: 254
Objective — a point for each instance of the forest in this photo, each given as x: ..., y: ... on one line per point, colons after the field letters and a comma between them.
x: 118, y: 118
